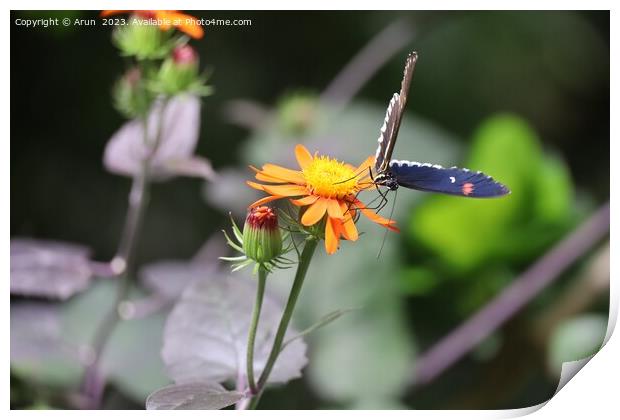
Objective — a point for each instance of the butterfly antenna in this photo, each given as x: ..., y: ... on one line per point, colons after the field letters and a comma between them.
x: 386, y: 230
x: 353, y: 177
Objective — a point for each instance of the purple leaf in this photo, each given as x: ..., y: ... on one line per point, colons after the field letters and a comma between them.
x: 192, y: 396
x: 35, y: 329
x: 38, y: 347
x: 49, y: 269
x: 194, y: 166
x: 169, y: 278
x: 128, y: 149
x: 206, y: 333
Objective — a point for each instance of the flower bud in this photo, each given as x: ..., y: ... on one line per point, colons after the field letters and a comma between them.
x: 141, y: 39
x: 179, y: 72
x: 130, y: 96
x: 262, y: 241
x: 185, y: 55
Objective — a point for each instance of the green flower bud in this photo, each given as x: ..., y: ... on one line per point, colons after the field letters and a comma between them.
x: 131, y: 98
x: 179, y: 72
x: 142, y: 39
x: 262, y: 241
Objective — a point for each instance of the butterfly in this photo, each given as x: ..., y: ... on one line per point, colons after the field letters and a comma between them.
x: 423, y: 176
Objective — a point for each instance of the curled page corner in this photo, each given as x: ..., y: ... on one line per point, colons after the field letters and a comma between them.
x: 571, y: 368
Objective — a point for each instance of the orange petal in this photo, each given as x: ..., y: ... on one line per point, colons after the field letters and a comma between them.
x: 304, y: 158
x: 332, y: 237
x: 346, y: 206
x: 337, y: 226
x: 333, y: 209
x: 285, y: 190
x: 186, y: 23
x: 255, y: 185
x: 266, y: 178
x: 284, y: 174
x: 264, y: 200
x: 164, y: 25
x: 105, y: 13
x: 374, y: 216
x: 306, y: 201
x: 349, y: 231
x: 314, y: 213
x: 393, y: 228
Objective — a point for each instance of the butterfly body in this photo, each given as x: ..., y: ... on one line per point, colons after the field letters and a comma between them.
x: 393, y: 173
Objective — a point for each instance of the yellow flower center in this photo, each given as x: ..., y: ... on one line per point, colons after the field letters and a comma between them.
x: 329, y: 178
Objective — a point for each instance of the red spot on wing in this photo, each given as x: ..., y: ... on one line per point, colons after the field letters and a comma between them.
x: 467, y: 188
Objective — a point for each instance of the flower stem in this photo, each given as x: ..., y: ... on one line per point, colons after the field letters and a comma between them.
x: 93, y: 382
x: 300, y: 275
x: 260, y: 292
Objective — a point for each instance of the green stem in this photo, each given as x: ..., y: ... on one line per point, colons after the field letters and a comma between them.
x: 300, y: 275
x: 260, y: 292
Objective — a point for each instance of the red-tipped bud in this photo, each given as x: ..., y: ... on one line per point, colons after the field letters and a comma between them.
x: 184, y: 55
x: 262, y: 217
x: 262, y: 241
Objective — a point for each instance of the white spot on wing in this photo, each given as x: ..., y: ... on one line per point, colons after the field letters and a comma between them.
x: 452, y: 179
x: 413, y: 163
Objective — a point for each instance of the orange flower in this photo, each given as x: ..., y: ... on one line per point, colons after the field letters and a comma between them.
x: 324, y: 186
x: 181, y: 21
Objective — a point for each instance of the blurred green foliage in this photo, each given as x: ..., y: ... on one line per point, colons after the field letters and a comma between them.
x: 483, y: 240
x: 466, y: 234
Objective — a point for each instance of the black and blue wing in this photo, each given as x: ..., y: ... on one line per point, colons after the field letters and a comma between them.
x: 393, y: 117
x: 387, y: 134
x: 454, y: 181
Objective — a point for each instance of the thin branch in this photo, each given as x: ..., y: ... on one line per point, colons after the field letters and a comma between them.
x: 93, y: 382
x: 522, y: 290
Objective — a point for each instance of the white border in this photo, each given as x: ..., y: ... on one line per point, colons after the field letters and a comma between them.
x: 594, y: 389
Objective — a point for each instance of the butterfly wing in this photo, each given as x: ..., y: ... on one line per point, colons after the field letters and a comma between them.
x: 393, y: 117
x: 454, y: 181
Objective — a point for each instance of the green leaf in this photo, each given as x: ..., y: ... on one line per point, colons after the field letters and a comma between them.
x: 466, y: 233
x: 192, y: 396
x: 553, y: 191
x: 418, y: 281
